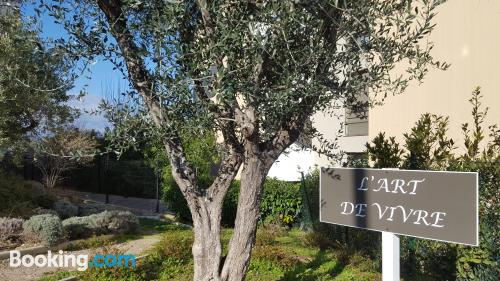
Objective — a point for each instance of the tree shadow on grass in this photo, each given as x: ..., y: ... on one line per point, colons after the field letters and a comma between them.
x: 310, y: 271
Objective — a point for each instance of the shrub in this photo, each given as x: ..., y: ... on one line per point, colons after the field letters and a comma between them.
x: 176, y: 244
x: 107, y: 222
x: 482, y: 263
x: 429, y: 148
x: 37, y: 188
x: 281, y: 202
x: 385, y: 153
x: 130, y: 178
x: 42, y: 211
x: 16, y: 196
x: 317, y: 239
x: 10, y: 232
x: 77, y: 227
x: 46, y: 229
x: 114, y: 222
x: 65, y: 209
x: 91, y: 209
x: 10, y: 227
x: 45, y: 200
x: 276, y: 254
x: 267, y: 234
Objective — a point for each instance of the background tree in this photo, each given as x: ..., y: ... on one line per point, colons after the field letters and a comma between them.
x: 252, y: 71
x: 65, y: 150
x: 33, y: 87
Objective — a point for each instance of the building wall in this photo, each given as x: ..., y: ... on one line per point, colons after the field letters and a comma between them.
x: 331, y: 126
x: 293, y: 161
x: 467, y: 35
x: 290, y: 164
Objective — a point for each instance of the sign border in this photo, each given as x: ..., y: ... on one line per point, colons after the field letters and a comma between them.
x: 422, y: 171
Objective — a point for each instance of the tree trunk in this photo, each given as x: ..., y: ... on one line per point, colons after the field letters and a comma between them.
x: 207, y: 248
x: 240, y: 247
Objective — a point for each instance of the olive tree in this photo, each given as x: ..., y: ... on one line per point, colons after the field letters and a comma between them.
x: 252, y: 71
x: 33, y: 84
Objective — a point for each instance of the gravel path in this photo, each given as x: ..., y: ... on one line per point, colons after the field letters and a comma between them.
x: 135, y: 247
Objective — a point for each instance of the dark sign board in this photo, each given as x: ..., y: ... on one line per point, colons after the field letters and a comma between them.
x: 425, y: 204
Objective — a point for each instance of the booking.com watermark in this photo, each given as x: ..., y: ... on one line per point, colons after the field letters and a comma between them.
x: 61, y: 260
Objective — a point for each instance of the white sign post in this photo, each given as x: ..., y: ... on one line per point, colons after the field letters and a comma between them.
x: 390, y: 256
x: 390, y: 253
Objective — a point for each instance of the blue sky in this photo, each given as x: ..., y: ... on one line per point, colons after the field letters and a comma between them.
x: 103, y: 78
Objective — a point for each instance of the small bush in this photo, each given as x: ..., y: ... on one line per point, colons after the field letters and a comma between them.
x: 90, y: 209
x: 363, y: 263
x: 267, y: 233
x: 46, y: 229
x: 19, y: 197
x: 281, y: 202
x: 177, y: 245
x: 65, y: 209
x: 317, y: 239
x: 107, y: 222
x: 113, y: 222
x: 10, y: 228
x: 45, y: 200
x: 276, y: 254
x: 77, y: 227
x: 42, y: 211
x: 37, y: 188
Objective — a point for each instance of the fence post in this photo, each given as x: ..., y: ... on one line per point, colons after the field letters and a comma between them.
x: 306, y: 222
x: 157, y: 186
x: 105, y: 169
x: 99, y: 180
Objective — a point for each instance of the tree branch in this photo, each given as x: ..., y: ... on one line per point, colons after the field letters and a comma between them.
x: 293, y: 125
x: 142, y: 82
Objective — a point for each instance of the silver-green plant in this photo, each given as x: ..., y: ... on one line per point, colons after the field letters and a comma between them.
x: 46, y: 229
x: 65, y: 209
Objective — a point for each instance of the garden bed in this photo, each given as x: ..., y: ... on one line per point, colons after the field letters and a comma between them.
x: 278, y: 255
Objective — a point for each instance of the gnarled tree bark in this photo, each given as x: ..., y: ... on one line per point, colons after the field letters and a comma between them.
x: 253, y: 176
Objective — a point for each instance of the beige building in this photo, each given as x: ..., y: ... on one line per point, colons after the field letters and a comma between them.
x: 467, y: 36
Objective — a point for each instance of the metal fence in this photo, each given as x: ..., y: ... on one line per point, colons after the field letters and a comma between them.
x: 130, y: 178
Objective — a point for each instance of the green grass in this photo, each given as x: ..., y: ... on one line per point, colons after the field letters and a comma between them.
x: 152, y: 225
x: 57, y: 276
x: 278, y: 255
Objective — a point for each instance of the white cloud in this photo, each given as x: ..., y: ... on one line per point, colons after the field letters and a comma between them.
x: 88, y: 120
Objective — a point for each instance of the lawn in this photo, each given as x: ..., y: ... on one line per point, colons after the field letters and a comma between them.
x: 279, y: 254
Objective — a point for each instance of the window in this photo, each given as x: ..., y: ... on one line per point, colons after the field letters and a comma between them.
x: 356, y: 117
x: 353, y: 156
